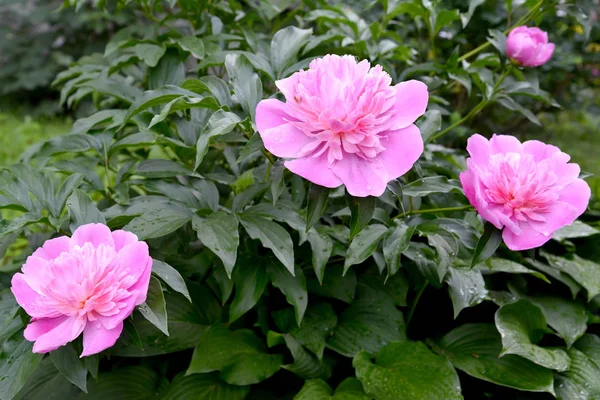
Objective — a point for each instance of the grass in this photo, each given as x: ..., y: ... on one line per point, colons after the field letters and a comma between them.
x: 18, y: 133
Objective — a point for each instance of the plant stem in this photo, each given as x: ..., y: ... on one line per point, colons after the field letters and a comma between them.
x: 434, y: 210
x: 414, y: 304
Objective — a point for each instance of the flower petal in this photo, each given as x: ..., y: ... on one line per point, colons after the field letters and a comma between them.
x: 96, y: 234
x: 479, y: 149
x: 577, y: 194
x: 135, y: 258
x: 38, y: 327
x: 505, y: 144
x: 96, y: 338
x: 141, y: 286
x: 64, y: 332
x: 539, y: 150
x: 53, y: 248
x: 123, y: 238
x: 558, y: 215
x: 402, y: 149
x: 315, y: 169
x: 278, y: 135
x: 29, y: 298
x: 362, y: 177
x: 411, y: 102
x: 529, y: 238
x: 113, y: 321
x: 545, y: 54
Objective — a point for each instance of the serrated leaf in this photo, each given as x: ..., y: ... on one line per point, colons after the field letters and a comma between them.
x: 240, y: 356
x: 171, y: 277
x: 521, y: 326
x: 219, y: 232
x: 364, y: 244
x: 407, y: 370
x: 154, y: 309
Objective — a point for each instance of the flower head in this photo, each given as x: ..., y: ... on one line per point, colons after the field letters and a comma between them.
x: 529, y: 47
x: 530, y: 189
x: 343, y: 123
x: 87, y: 283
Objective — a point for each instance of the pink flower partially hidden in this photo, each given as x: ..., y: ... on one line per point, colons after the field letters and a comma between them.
x: 530, y: 189
x: 87, y: 283
x: 529, y: 47
x: 342, y: 123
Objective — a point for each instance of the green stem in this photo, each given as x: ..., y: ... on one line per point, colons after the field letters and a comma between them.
x: 434, y: 210
x: 414, y: 304
x: 529, y: 15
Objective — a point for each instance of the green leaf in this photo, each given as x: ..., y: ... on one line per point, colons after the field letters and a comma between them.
x: 316, y: 204
x: 70, y: 365
x: 394, y: 287
x: 405, y: 371
x: 168, y: 71
x: 186, y: 322
x: 576, y: 230
x: 446, y: 247
x: 285, y: 45
x: 445, y: 18
x: 272, y: 236
x: 158, y: 168
x: 82, y: 210
x: 318, y: 322
x: 466, y: 287
x: 433, y: 184
x: 220, y: 123
x: 240, y: 356
x: 18, y: 362
x: 361, y: 210
x: 317, y: 389
x: 292, y: 286
x: 154, y: 309
x: 498, y: 40
x: 131, y: 383
x: 171, y: 277
x: 204, y: 386
x: 192, y: 44
x: 250, y: 282
x: 253, y: 146
x: 219, y: 232
x: 83, y: 125
x: 582, y: 380
x: 364, y: 244
x: 396, y: 242
x: 305, y: 364
x: 24, y: 220
x: 466, y: 17
x: 475, y: 350
x: 46, y: 383
x: 430, y: 123
x: 149, y: 53
x: 158, y: 222
x: 277, y: 181
x: 322, y: 247
x: 113, y: 87
x: 521, y: 326
x: 494, y: 264
x: 183, y: 103
x: 487, y: 244
x: 9, y: 321
x: 335, y: 284
x: 584, y: 272
x: 511, y: 104
x: 567, y: 317
x: 151, y: 98
x: 368, y: 324
x: 247, y: 86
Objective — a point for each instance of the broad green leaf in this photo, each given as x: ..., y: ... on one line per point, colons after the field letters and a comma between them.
x: 240, y: 356
x: 512, y: 105
x: 430, y: 123
x: 250, y: 282
x: 361, y: 209
x: 322, y: 247
x: 219, y: 232
x: 204, y: 386
x: 46, y: 383
x: 10, y: 323
x: 114, y: 88
x: 186, y: 322
x: 316, y: 205
x: 292, y: 286
x: 466, y: 288
x: 158, y: 222
x: 192, y: 44
x: 83, y: 125
x: 154, y: 309
x: 567, y: 317
x: 305, y: 365
x: 18, y: 362
x: 498, y: 40
x: 318, y: 322
x: 277, y: 181
x: 152, y: 98
x: 395, y: 287
x: 171, y: 277
x: 317, y: 389
x: 522, y: 325
x: 67, y: 361
x: 223, y: 282
x: 445, y: 18
x: 494, y: 264
x: 246, y: 84
x: 220, y: 123
x: 487, y: 244
x: 22, y: 221
x: 149, y: 53
x: 395, y: 243
x: 475, y: 349
x: 560, y: 276
x: 158, y: 168
x: 82, y: 210
x: 285, y: 46
x: 576, y: 230
x: 433, y: 184
x: 335, y: 284
x: 446, y: 248
x: 584, y: 272
x: 368, y: 324
x: 168, y: 71
x: 466, y: 17
x: 131, y: 383
x: 183, y: 103
x: 364, y: 244
x: 407, y: 370
x: 272, y: 236
x: 65, y: 190
x: 582, y: 380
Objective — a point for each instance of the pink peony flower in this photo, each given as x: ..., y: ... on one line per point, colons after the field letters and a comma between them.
x: 529, y: 47
x: 528, y: 189
x: 342, y: 123
x: 87, y: 283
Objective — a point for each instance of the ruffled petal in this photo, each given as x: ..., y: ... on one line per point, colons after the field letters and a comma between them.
x: 539, y: 150
x: 529, y: 238
x: 66, y: 331
x: 38, y: 327
x: 123, y: 238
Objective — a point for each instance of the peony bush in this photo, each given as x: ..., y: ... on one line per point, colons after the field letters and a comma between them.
x: 304, y: 200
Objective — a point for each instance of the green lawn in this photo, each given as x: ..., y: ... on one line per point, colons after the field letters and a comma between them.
x: 18, y: 133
